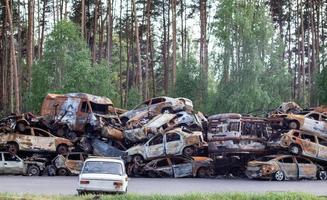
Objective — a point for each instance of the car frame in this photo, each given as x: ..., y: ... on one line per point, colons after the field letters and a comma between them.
x: 305, y: 143
x: 35, y: 139
x: 179, y: 166
x: 102, y: 182
x: 284, y: 167
x: 187, y: 143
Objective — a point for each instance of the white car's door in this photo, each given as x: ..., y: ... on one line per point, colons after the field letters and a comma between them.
x: 1, y: 163
x: 173, y: 143
x: 12, y: 164
x: 182, y: 167
x: 155, y: 147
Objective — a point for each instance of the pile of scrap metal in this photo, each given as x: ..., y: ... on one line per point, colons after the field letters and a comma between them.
x: 161, y: 132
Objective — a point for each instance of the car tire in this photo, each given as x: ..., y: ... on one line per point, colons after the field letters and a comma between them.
x: 279, y: 176
x: 294, y: 125
x: 322, y: 175
x: 12, y: 148
x: 202, y: 173
x: 295, y: 149
x: 21, y: 126
x: 188, y: 151
x: 62, y: 149
x: 151, y: 174
x: 138, y: 159
x: 33, y: 170
x: 62, y: 172
x: 50, y: 170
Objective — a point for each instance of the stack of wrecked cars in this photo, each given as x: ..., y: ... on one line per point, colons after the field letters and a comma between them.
x: 165, y: 137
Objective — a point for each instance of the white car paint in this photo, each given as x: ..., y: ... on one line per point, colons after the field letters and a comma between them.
x: 103, y: 181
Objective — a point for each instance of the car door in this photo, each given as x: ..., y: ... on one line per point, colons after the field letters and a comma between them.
x: 82, y: 116
x: 163, y: 167
x: 182, y: 167
x: 155, y: 147
x: 44, y: 141
x: 309, y: 145
x: 173, y: 143
x: 12, y: 164
x: 289, y: 167
x: 312, y: 123
x: 74, y: 162
x: 1, y: 163
x: 322, y: 152
x: 306, y: 168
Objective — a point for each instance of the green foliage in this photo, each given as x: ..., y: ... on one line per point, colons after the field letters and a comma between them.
x: 134, y: 98
x: 322, y: 86
x: 253, y: 74
x: 66, y: 67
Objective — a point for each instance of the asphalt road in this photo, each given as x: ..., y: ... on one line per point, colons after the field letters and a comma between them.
x: 67, y: 185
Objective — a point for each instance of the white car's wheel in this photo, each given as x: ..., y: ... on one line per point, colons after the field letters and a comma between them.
x: 279, y: 176
x: 322, y: 175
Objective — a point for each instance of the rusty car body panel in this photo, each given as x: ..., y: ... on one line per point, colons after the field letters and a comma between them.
x: 292, y: 167
x: 305, y: 143
x: 82, y: 112
x: 173, y: 142
x: 178, y: 166
x: 154, y: 106
x: 72, y: 162
x: 34, y: 139
x: 312, y: 121
x: 233, y: 133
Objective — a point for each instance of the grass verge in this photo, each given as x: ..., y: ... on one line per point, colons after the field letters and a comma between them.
x: 195, y: 196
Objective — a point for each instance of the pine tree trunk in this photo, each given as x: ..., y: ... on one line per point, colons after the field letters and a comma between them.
x: 164, y: 49
x: 174, y: 62
x: 30, y: 40
x: 139, y: 81
x: 95, y: 25
x: 147, y: 48
x: 83, y: 18
x: 109, y: 32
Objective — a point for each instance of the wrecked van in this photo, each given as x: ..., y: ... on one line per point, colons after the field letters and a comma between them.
x: 305, y: 143
x: 232, y: 132
x: 284, y: 167
x: 34, y: 139
x: 174, y: 142
x: 80, y: 112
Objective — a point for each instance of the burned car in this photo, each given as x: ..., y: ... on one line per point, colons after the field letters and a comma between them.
x: 284, y: 167
x: 12, y: 164
x: 235, y: 133
x: 154, y: 106
x: 313, y: 122
x: 162, y: 123
x: 179, y: 166
x: 34, y: 139
x: 73, y: 114
x: 305, y: 143
x: 174, y: 142
x: 69, y: 164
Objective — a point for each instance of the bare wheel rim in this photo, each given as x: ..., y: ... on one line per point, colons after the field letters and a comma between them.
x: 293, y: 125
x: 279, y: 176
x: 12, y: 149
x: 62, y: 172
x: 33, y: 171
x: 322, y: 175
x: 295, y: 149
x: 202, y: 173
x: 188, y: 151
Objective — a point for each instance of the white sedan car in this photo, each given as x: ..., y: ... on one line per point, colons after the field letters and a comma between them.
x: 103, y: 175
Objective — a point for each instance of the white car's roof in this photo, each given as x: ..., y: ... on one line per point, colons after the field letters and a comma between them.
x: 105, y: 159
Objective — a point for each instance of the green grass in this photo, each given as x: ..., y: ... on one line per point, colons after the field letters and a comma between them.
x: 195, y: 196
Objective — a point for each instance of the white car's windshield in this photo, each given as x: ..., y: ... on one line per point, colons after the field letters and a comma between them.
x: 102, y: 167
